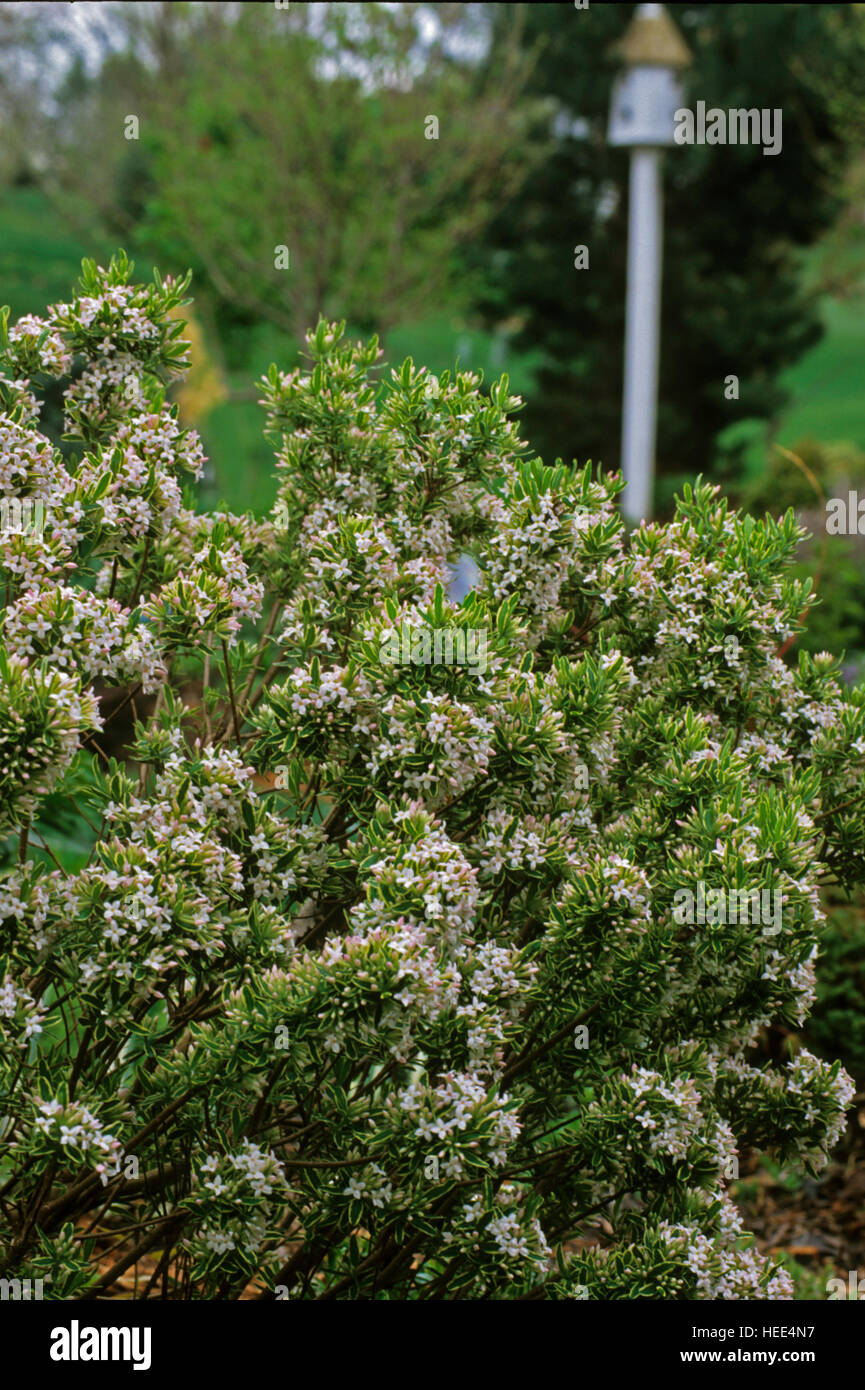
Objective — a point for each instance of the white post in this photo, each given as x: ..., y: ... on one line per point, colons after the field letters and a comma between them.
x: 642, y: 329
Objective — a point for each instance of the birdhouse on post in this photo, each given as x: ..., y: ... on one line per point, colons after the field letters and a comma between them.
x: 642, y: 118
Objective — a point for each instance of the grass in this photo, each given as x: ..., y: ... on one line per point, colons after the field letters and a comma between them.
x: 826, y: 401
x: 40, y: 258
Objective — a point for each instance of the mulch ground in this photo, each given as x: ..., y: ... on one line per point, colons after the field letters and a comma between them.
x: 819, y: 1221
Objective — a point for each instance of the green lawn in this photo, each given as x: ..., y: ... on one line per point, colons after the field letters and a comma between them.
x: 827, y: 386
x: 826, y: 395
x: 40, y: 257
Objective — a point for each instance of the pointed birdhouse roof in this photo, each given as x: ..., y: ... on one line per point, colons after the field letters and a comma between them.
x: 652, y: 39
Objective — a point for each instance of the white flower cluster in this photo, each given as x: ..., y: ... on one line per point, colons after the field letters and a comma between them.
x: 524, y: 843
x: 43, y: 716
x: 109, y: 377
x: 254, y: 1168
x: 513, y: 1239
x: 157, y: 439
x: 429, y: 879
x: 19, y: 399
x: 143, y: 458
x: 27, y: 460
x: 232, y: 1199
x: 668, y: 1110
x: 110, y: 314
x: 438, y: 758
x: 168, y: 885
x: 83, y: 633
x: 52, y: 355
x: 34, y: 480
x: 26, y: 904
x: 806, y: 1100
x: 538, y: 550
x: 213, y: 595
x: 18, y: 1005
x: 721, y: 1273
x: 445, y: 1111
x: 75, y: 1127
x: 807, y: 1073
x: 370, y: 1184
x: 334, y: 692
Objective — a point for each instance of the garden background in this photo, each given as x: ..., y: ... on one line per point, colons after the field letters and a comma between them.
x: 427, y: 171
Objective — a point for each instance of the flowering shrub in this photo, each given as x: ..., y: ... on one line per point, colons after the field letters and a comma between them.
x: 378, y: 980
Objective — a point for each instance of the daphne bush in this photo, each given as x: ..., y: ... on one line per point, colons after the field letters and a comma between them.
x: 390, y: 977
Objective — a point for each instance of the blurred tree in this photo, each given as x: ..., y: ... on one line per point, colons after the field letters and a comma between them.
x: 343, y: 135
x: 363, y: 139
x: 65, y: 90
x: 733, y: 301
